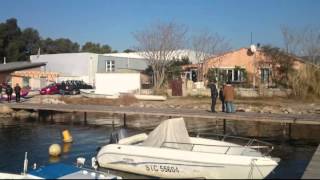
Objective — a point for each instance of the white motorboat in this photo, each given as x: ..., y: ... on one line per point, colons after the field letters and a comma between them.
x: 169, y: 152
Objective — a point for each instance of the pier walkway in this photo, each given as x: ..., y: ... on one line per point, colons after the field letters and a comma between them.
x: 313, y: 169
x: 238, y: 116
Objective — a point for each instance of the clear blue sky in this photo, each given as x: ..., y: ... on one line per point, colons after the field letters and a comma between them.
x: 113, y: 21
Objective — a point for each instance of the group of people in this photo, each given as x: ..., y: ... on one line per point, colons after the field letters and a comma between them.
x: 9, y: 90
x: 226, y: 96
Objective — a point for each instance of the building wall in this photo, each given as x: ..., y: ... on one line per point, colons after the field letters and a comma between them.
x: 114, y: 83
x: 70, y: 64
x: 232, y: 59
x: 121, y: 63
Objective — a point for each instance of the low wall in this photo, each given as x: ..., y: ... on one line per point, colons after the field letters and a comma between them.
x: 242, y: 92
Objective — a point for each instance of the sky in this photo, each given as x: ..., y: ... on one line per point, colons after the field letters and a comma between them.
x: 112, y: 22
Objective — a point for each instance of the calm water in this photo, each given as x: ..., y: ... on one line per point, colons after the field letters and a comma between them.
x: 17, y: 137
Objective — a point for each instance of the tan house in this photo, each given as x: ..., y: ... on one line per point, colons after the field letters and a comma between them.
x: 242, y: 65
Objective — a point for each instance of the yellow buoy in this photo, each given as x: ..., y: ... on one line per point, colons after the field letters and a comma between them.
x: 55, y: 150
x: 67, y: 138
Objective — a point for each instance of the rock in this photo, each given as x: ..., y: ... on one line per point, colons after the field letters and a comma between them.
x: 171, y: 106
x: 21, y: 114
x: 195, y: 107
x: 5, y: 109
x: 141, y: 105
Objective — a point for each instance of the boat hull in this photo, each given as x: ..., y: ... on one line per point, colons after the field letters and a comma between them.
x: 169, y: 163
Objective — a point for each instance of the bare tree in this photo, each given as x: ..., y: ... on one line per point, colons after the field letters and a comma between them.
x: 159, y: 44
x: 290, y: 38
x: 303, y: 42
x: 207, y: 45
x: 310, y: 44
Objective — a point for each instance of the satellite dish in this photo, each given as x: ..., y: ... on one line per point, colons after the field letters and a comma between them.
x: 253, y: 48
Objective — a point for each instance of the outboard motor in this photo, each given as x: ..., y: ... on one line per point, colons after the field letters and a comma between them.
x: 114, y: 138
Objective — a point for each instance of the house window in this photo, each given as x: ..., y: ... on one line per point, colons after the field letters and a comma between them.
x: 110, y: 66
x: 231, y: 74
x: 265, y: 73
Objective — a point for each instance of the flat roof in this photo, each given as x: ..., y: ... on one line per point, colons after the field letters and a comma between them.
x: 16, y: 66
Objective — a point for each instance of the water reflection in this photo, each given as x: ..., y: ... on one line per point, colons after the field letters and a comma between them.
x: 17, y: 137
x: 66, y: 147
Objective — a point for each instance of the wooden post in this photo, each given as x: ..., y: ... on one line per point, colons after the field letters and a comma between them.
x: 51, y: 116
x: 85, y: 117
x: 39, y: 116
x: 289, y: 131
x: 124, y: 120
x: 224, y: 126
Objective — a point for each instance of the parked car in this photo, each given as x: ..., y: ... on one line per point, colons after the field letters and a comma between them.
x: 73, y: 87
x: 50, y: 89
x: 69, y: 87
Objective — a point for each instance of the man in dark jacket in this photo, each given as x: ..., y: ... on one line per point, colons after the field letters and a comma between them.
x: 0, y: 92
x: 221, y: 97
x: 9, y: 92
x: 214, y: 95
x: 17, y: 90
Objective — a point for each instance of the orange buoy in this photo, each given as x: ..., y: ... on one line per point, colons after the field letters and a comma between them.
x: 67, y: 138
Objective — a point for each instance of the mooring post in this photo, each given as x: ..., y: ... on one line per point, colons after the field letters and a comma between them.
x: 289, y: 131
x: 224, y: 127
x: 124, y: 120
x: 39, y: 116
x: 51, y: 116
x: 85, y: 117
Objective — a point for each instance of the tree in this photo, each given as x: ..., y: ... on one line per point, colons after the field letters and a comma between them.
x: 174, y: 69
x: 61, y: 45
x: 97, y: 48
x: 32, y: 40
x: 281, y: 64
x: 303, y: 42
x: 159, y: 44
x: 129, y: 50
x: 207, y: 45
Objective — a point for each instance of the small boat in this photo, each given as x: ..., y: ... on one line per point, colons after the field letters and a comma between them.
x: 60, y: 171
x: 169, y: 152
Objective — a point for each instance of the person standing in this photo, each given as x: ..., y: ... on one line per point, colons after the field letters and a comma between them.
x: 17, y: 90
x: 214, y: 95
x: 0, y: 92
x: 228, y: 92
x: 221, y: 97
x: 9, y: 92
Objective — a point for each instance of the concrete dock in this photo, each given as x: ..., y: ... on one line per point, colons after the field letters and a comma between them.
x: 313, y: 169
x: 313, y: 119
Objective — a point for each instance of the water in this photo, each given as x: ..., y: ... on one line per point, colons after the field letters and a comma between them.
x: 17, y: 137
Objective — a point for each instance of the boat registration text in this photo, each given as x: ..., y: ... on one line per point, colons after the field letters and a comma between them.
x: 162, y: 168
